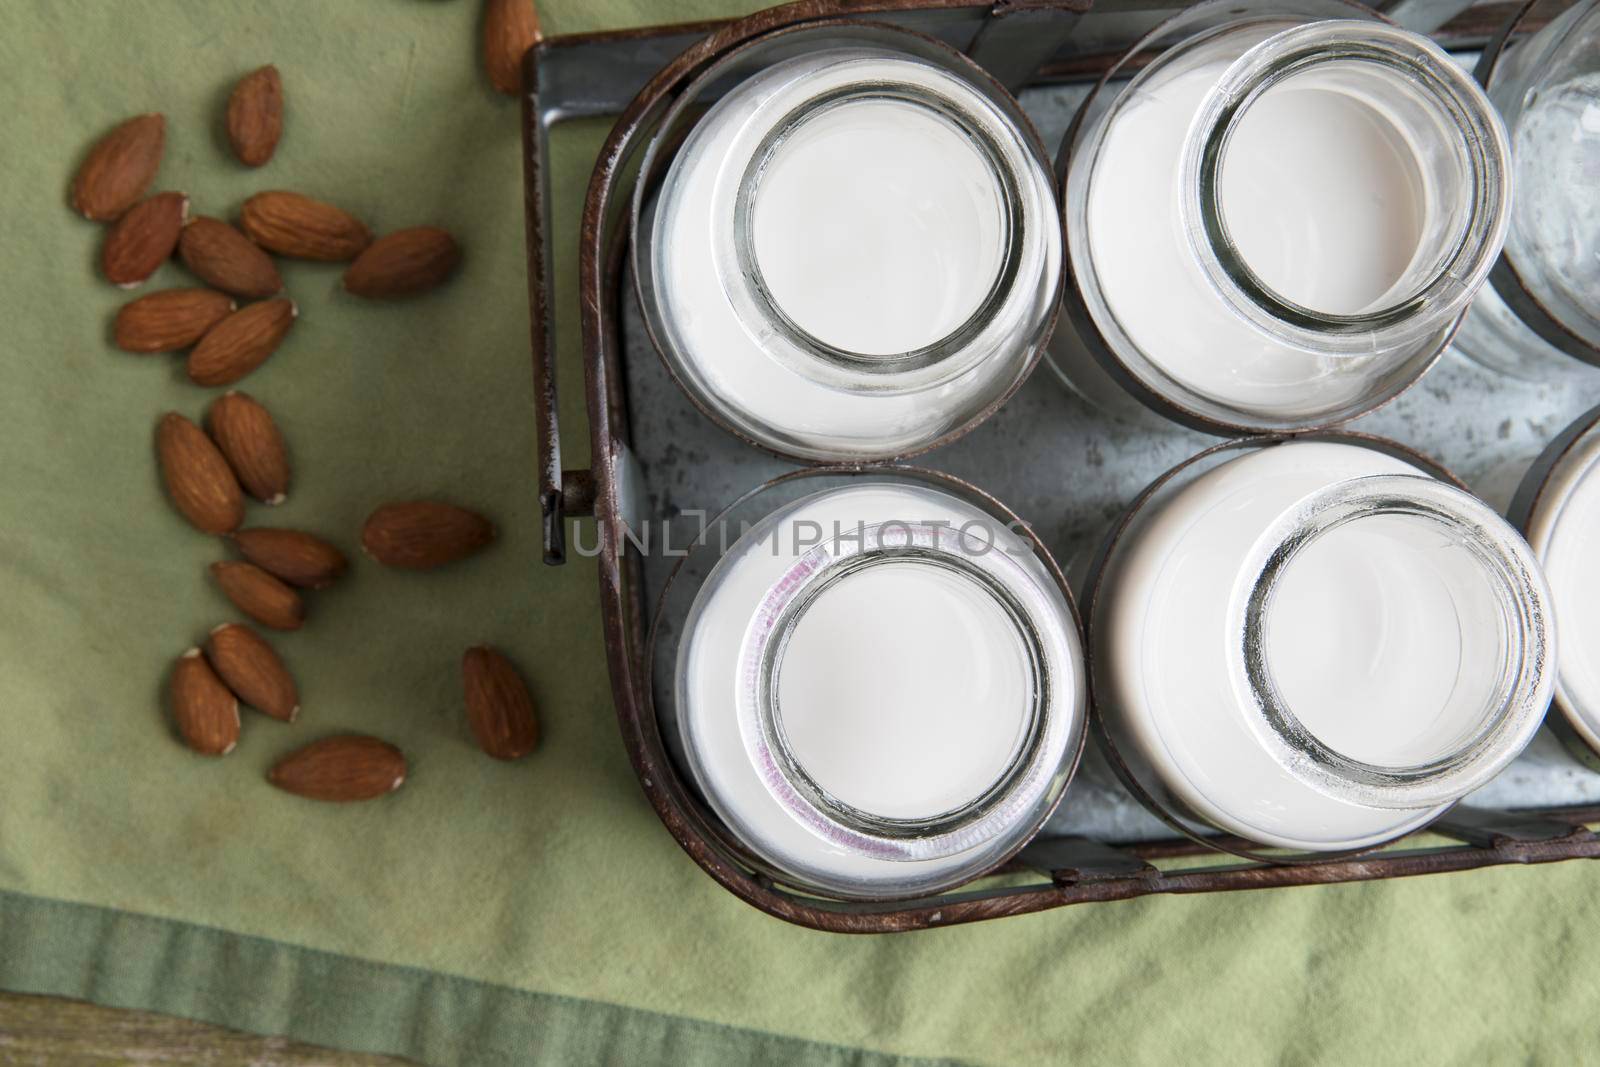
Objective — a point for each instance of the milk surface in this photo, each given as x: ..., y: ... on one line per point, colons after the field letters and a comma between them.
x: 905, y: 690
x: 878, y: 226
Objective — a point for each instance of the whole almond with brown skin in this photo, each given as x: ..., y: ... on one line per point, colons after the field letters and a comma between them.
x: 259, y: 595
x: 423, y: 534
x: 296, y: 557
x: 143, y: 239
x: 119, y: 168
x: 170, y: 320
x: 255, y: 116
x: 226, y: 259
x: 252, y: 445
x: 198, y: 479
x: 510, y: 28
x: 206, y: 712
x: 241, y: 342
x: 294, y: 225
x: 341, y: 769
x: 499, y: 709
x: 403, y: 263
x: 243, y: 659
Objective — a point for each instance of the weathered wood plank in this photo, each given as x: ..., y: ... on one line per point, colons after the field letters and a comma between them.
x: 50, y: 1032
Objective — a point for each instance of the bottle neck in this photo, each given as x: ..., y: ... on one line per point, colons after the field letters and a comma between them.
x: 896, y: 690
x: 1544, y: 86
x: 1435, y: 188
x: 880, y: 238
x: 931, y: 270
x: 1393, y: 642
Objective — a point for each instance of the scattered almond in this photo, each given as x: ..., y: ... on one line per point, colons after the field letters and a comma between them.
x: 241, y: 342
x: 403, y: 263
x: 252, y: 445
x: 170, y: 320
x: 294, y: 225
x: 499, y: 709
x: 298, y: 558
x: 243, y: 659
x: 510, y: 28
x: 255, y: 116
x: 119, y: 168
x: 341, y: 769
x: 198, y: 479
x: 143, y: 239
x: 423, y: 534
x: 226, y: 259
x: 259, y: 595
x: 206, y: 712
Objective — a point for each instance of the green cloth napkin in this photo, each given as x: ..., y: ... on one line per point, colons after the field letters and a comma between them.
x: 535, y: 912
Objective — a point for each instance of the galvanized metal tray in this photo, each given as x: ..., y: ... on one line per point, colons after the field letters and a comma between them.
x: 1067, y: 468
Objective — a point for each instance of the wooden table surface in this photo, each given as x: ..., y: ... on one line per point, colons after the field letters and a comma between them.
x: 49, y: 1032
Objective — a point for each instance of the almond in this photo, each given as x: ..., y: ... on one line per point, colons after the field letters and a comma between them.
x: 206, y: 712
x: 198, y: 479
x: 340, y: 769
x: 403, y: 263
x: 252, y: 445
x: 143, y: 239
x: 243, y: 659
x: 422, y: 534
x: 170, y: 320
x: 259, y: 595
x: 298, y: 558
x: 226, y: 259
x: 241, y: 342
x: 255, y: 116
x: 510, y: 28
x: 499, y: 709
x: 294, y: 225
x: 119, y: 168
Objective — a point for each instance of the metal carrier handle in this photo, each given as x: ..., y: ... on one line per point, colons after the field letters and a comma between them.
x: 561, y: 492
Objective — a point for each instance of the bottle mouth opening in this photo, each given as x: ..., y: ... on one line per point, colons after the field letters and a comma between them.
x: 1448, y: 171
x: 837, y: 751
x: 947, y: 208
x: 1419, y: 598
x: 887, y: 804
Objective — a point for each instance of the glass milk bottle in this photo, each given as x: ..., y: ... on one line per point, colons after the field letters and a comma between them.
x: 1316, y: 644
x: 854, y: 253
x: 1543, y: 302
x: 875, y: 681
x: 1558, y: 508
x: 1277, y: 223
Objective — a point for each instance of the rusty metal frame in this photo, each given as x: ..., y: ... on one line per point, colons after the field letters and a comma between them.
x: 1065, y: 871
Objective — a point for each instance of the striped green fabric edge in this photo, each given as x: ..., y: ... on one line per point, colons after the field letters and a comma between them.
x: 126, y: 960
